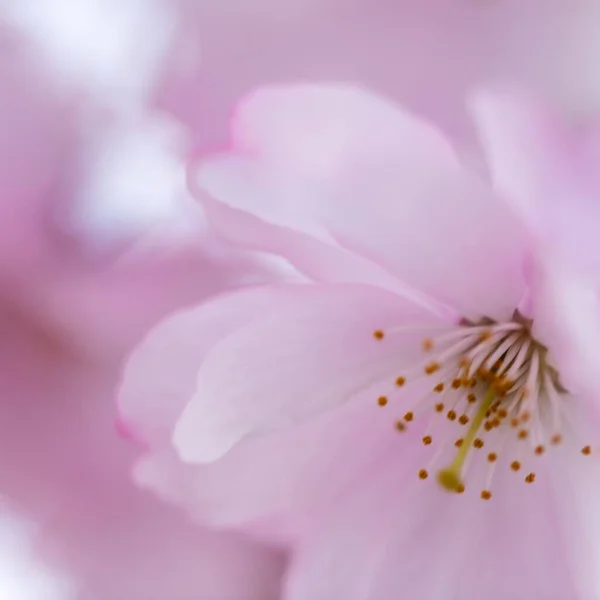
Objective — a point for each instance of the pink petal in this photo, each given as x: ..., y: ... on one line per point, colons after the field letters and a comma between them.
x: 576, y: 480
x: 546, y: 171
x: 567, y: 319
x: 348, y: 167
x: 150, y: 399
x: 273, y: 484
x: 310, y: 354
x: 323, y: 261
x: 400, y: 537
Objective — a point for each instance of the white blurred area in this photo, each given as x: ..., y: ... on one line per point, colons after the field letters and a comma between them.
x: 112, y: 49
x: 106, y: 57
x: 22, y: 575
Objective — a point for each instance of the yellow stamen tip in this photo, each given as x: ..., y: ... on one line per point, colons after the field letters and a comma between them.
x: 450, y: 480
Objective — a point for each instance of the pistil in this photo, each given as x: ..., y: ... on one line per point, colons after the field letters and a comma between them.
x: 450, y: 477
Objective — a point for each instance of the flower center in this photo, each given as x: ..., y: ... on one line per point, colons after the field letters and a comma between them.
x: 494, y: 386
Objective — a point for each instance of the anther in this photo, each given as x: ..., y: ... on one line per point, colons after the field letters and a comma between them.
x: 459, y: 442
x: 514, y: 422
x: 378, y: 334
x: 486, y: 494
x: 408, y: 417
x: 456, y: 383
x: 423, y: 474
x: 427, y: 344
x: 492, y: 457
x: 460, y: 488
x: 431, y: 368
x: 463, y: 419
x: 427, y: 440
x: 556, y: 439
x: 515, y: 465
x: 400, y: 381
x: 525, y: 417
x: 451, y: 415
x: 587, y: 450
x: 400, y: 426
x: 471, y: 398
x: 382, y: 400
x: 523, y: 434
x: 439, y: 388
x: 539, y: 450
x: 477, y: 443
x: 530, y: 478
x: 439, y: 407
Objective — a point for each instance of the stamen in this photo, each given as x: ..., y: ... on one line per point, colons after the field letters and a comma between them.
x: 427, y: 344
x: 431, y: 368
x: 400, y: 426
x: 382, y: 400
x: 523, y: 398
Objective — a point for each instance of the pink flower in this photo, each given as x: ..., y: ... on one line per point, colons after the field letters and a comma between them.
x: 419, y: 419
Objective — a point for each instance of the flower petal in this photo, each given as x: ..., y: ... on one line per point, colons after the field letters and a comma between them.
x: 546, y: 171
x: 410, y: 539
x: 150, y: 399
x: 312, y: 353
x: 346, y: 166
x: 251, y: 487
x: 320, y: 260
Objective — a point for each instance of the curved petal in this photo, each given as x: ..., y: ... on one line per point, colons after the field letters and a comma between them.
x: 310, y: 354
x: 320, y: 260
x: 273, y: 484
x: 150, y: 399
x: 410, y: 539
x: 566, y: 311
x: 346, y: 166
x: 576, y: 480
x: 546, y: 171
